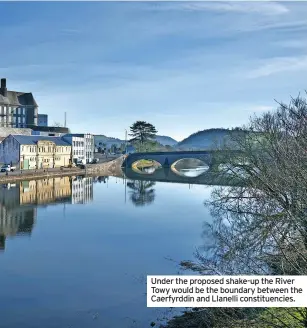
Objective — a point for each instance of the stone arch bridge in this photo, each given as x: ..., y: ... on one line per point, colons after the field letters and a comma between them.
x: 166, y: 159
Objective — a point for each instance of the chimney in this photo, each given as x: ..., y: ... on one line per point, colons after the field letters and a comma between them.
x: 3, y: 89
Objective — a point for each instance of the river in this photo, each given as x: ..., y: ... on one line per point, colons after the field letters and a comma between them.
x: 75, y: 252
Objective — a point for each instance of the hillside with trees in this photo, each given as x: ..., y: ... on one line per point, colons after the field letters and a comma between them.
x: 207, y: 139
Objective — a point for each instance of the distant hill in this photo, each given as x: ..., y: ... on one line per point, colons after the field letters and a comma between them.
x: 206, y: 139
x: 101, y: 139
x: 165, y: 140
x: 109, y: 141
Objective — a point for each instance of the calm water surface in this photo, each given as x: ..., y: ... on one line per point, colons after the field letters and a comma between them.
x: 80, y: 258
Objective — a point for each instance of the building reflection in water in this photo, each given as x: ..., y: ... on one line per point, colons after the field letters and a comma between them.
x: 19, y: 202
x: 82, y: 190
x: 15, y: 219
x: 45, y: 191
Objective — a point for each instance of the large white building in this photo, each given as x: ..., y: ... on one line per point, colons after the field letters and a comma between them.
x: 82, y: 145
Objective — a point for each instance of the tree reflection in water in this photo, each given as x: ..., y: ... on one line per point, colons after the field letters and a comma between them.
x: 142, y: 192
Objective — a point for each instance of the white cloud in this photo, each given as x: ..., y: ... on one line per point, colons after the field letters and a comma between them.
x: 260, y: 108
x: 279, y: 65
x: 263, y: 8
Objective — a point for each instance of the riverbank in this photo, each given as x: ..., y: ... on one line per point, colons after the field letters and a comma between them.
x: 112, y: 168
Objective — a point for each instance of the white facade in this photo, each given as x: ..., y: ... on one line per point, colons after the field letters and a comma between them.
x: 82, y: 146
x: 78, y: 151
x: 77, y: 147
x: 89, y: 147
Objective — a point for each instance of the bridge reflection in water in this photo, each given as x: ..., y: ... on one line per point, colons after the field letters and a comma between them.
x: 198, y: 175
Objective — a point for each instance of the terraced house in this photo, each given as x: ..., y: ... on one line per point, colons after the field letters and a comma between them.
x: 35, y: 152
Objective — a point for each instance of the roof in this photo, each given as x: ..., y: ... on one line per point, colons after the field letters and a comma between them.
x: 15, y: 98
x: 32, y: 140
x: 59, y: 129
x: 80, y: 135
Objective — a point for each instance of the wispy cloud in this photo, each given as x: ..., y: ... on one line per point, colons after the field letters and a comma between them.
x: 279, y: 65
x: 184, y: 66
x: 257, y: 109
x: 263, y: 8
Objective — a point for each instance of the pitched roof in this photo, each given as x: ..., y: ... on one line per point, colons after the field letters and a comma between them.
x: 15, y: 98
x: 32, y: 140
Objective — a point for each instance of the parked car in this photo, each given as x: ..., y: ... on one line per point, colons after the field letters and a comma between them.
x: 95, y: 160
x: 7, y: 168
x: 79, y: 162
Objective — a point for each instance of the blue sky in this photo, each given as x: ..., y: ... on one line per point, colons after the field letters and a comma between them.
x: 183, y: 66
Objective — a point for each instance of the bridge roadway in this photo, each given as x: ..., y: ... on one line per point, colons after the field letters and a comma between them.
x: 167, y: 175
x: 166, y: 159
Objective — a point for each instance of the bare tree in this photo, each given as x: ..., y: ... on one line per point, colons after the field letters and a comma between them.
x: 261, y: 226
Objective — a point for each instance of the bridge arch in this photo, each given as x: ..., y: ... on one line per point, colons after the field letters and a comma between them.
x: 145, y: 166
x: 190, y: 167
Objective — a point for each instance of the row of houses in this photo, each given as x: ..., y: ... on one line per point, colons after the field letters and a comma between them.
x: 36, y: 151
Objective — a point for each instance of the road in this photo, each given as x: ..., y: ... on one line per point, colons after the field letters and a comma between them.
x: 102, y: 159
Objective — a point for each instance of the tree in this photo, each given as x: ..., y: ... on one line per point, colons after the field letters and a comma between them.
x: 259, y: 227
x: 142, y: 132
x: 113, y: 148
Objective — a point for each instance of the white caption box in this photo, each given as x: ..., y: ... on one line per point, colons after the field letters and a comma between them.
x: 226, y: 291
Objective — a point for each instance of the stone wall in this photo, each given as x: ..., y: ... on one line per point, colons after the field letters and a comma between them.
x: 108, y: 168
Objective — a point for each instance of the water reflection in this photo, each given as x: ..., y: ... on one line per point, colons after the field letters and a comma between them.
x: 141, y: 192
x: 19, y: 202
x: 92, y: 258
x: 82, y: 190
x: 14, y: 218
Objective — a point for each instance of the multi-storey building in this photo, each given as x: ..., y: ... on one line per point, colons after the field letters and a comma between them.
x: 77, y: 147
x: 82, y: 146
x: 35, y: 152
x: 17, y: 109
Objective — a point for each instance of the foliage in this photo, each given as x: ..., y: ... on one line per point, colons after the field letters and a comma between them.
x: 260, y: 228
x: 142, y: 132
